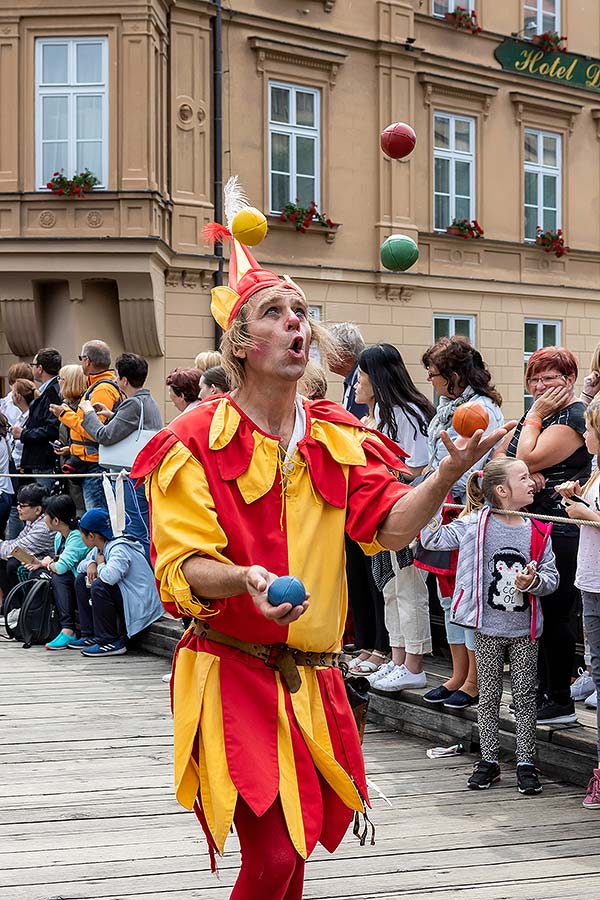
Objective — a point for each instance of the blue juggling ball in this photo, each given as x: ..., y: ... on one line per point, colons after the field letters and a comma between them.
x: 286, y: 589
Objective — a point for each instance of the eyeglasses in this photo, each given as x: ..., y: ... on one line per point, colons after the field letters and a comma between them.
x: 23, y: 505
x: 81, y: 358
x: 431, y: 375
x: 545, y: 380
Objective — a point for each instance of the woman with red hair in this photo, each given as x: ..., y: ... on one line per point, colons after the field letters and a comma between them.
x: 549, y: 439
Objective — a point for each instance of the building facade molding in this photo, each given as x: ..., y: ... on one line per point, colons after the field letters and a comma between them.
x: 479, y: 96
x: 326, y: 61
x: 546, y: 108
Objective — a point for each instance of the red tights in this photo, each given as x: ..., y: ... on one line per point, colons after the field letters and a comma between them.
x: 271, y: 867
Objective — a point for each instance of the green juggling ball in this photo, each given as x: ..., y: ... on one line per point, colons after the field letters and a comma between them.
x: 399, y: 253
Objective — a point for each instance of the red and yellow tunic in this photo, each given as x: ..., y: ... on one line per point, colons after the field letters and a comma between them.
x: 215, y: 487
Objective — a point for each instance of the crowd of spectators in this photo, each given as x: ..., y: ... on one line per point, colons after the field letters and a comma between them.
x: 56, y: 419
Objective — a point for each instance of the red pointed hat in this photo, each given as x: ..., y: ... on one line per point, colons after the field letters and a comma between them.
x: 246, y: 276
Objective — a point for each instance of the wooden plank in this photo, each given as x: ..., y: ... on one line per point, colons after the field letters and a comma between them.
x: 87, y: 809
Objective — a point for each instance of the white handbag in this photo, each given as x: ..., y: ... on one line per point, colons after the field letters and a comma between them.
x: 122, y: 455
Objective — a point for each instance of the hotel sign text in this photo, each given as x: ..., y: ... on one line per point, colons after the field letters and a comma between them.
x: 560, y: 68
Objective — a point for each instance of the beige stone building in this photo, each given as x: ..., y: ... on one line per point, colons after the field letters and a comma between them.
x: 507, y: 135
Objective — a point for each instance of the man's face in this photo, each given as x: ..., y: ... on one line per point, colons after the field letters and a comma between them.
x: 85, y: 362
x: 36, y: 370
x: 278, y: 323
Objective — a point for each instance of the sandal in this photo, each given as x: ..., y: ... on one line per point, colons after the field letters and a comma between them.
x: 367, y: 666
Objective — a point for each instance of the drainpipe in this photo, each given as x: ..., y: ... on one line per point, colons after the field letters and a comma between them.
x: 217, y: 23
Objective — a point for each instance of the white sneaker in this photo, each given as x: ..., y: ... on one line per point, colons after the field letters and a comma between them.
x: 166, y: 678
x: 400, y: 678
x: 592, y: 700
x: 380, y: 673
x: 583, y: 685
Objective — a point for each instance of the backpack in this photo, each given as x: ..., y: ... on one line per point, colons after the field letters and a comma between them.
x: 29, y: 612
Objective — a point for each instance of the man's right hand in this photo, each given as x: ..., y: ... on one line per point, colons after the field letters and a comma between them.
x: 463, y: 454
x: 258, y: 580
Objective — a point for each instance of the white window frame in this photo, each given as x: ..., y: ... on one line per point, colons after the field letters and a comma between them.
x: 316, y: 314
x: 294, y: 131
x: 537, y: 6
x: 451, y: 318
x: 528, y: 399
x: 469, y: 5
x: 541, y: 170
x: 71, y: 90
x: 454, y: 156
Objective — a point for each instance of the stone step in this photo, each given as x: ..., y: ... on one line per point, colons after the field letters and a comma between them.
x: 567, y: 752
x: 162, y: 637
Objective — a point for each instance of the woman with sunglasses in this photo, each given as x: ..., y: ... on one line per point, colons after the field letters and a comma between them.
x: 549, y: 439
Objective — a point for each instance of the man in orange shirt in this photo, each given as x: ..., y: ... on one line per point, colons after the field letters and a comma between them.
x: 103, y: 388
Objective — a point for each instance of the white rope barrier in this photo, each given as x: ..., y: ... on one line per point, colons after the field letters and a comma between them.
x: 541, y: 518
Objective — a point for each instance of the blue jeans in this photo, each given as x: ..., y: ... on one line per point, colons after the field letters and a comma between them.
x: 5, y: 505
x: 456, y: 634
x: 93, y: 492
x: 15, y: 525
x: 136, y: 507
x: 591, y: 621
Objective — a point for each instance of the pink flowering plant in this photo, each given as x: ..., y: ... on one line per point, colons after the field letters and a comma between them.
x: 552, y: 241
x: 304, y: 216
x: 468, y: 229
x: 551, y: 42
x: 462, y: 18
x: 83, y: 183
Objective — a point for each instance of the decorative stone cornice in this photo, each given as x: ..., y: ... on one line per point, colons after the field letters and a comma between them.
x: 393, y: 293
x: 326, y: 61
x: 479, y: 95
x: 189, y: 278
x: 596, y: 117
x: 548, y: 108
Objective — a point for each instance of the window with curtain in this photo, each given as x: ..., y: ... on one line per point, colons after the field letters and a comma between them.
x: 540, y: 16
x: 453, y: 169
x: 294, y: 145
x: 71, y: 107
x: 542, y: 187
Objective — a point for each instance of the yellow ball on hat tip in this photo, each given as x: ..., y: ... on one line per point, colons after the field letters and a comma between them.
x: 249, y: 226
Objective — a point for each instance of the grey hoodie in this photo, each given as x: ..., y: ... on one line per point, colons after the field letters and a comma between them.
x: 468, y: 536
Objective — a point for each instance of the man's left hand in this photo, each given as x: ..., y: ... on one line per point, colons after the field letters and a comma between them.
x: 465, y: 452
x: 57, y: 409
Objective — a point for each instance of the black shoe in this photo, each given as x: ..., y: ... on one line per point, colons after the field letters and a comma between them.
x: 437, y: 695
x: 460, y: 700
x: 551, y: 713
x: 527, y: 779
x: 484, y: 775
x: 349, y: 648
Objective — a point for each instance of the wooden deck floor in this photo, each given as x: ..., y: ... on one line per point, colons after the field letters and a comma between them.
x: 87, y: 810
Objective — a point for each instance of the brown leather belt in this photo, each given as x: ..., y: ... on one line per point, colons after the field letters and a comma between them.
x: 277, y: 656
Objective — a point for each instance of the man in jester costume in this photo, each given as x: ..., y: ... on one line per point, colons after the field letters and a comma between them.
x: 247, y: 487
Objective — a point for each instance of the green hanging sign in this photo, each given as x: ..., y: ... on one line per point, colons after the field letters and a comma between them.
x: 560, y: 68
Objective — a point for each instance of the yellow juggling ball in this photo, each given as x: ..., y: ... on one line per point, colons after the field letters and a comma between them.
x: 249, y: 226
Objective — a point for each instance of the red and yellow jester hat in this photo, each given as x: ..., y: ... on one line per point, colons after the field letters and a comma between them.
x: 246, y: 276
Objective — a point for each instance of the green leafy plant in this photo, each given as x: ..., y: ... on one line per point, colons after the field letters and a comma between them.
x: 304, y: 216
x: 552, y: 241
x: 83, y: 183
x: 462, y: 18
x: 468, y: 229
